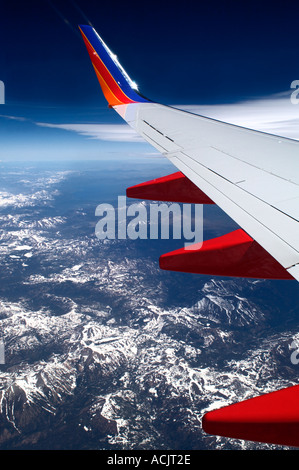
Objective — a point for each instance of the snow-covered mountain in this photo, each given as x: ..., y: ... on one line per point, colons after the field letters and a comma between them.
x: 104, y: 350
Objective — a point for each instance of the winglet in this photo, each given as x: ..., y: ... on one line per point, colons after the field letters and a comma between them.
x: 116, y: 84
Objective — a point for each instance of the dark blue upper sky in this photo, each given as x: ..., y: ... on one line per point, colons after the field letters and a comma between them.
x: 178, y: 53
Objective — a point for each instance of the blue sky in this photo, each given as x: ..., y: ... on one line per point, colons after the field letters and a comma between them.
x: 230, y: 60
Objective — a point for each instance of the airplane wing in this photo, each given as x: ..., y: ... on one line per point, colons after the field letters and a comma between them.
x: 251, y: 175
x: 254, y: 178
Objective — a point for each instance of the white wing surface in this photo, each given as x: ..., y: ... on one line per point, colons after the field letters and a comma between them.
x: 252, y: 176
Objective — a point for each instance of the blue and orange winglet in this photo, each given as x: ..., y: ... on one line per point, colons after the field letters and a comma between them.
x: 116, y: 85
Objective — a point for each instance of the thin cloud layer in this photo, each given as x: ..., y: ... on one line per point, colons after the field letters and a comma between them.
x: 107, y: 132
x: 275, y: 114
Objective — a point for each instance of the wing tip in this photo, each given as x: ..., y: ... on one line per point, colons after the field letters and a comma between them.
x: 117, y: 86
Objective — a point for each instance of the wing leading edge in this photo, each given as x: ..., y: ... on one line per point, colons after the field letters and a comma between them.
x: 254, y: 178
